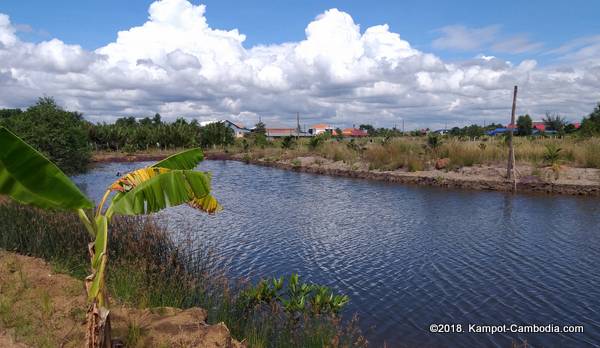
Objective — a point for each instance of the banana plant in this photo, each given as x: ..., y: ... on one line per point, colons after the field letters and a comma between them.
x: 29, y: 178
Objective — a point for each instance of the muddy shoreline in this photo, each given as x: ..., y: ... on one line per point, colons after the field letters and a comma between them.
x: 428, y: 178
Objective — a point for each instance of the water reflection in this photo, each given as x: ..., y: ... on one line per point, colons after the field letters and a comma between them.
x: 407, y: 256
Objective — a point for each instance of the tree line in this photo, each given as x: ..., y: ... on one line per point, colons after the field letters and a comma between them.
x: 68, y: 139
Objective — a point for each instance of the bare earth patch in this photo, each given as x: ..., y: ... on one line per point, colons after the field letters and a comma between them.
x: 40, y: 308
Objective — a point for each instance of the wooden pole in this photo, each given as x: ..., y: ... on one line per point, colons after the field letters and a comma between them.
x: 510, y: 169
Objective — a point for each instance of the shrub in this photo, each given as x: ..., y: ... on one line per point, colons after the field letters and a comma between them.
x: 60, y: 135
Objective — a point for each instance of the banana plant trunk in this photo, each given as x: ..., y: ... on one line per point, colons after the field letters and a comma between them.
x: 98, y: 328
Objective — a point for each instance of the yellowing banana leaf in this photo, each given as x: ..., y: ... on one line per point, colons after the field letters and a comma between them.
x: 133, y: 179
x: 28, y: 177
x: 164, y: 190
x: 207, y: 204
x: 183, y: 160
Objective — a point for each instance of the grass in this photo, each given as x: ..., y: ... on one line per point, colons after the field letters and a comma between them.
x: 147, y: 269
x: 417, y: 153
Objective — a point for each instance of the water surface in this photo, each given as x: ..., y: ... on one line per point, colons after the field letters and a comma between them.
x: 407, y: 256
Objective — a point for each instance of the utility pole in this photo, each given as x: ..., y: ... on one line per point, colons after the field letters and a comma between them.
x: 402, y: 126
x: 510, y: 169
x: 297, y: 125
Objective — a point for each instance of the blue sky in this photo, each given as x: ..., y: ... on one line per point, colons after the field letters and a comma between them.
x: 93, y: 24
x: 435, y: 63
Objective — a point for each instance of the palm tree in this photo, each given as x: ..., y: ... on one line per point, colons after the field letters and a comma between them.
x: 29, y: 178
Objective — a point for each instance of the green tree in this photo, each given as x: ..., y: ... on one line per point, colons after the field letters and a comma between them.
x: 524, y: 125
x: 217, y: 134
x: 287, y: 142
x: 591, y: 124
x: 6, y: 113
x: 260, y: 128
x: 338, y: 134
x: 367, y: 127
x: 555, y: 122
x: 60, y: 135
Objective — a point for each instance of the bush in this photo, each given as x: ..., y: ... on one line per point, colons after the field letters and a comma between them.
x: 60, y: 135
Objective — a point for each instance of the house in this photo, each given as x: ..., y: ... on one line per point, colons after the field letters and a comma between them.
x: 500, y: 131
x: 539, y: 125
x: 320, y: 128
x: 238, y: 129
x: 441, y: 131
x: 284, y: 132
x: 280, y: 132
x: 352, y: 132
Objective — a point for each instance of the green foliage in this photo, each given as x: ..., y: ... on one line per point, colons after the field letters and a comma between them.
x: 472, y: 131
x: 434, y: 141
x: 555, y: 122
x: 28, y: 177
x: 367, y: 127
x: 183, y: 160
x: 295, y: 297
x: 129, y: 134
x: 591, y: 124
x: 260, y: 140
x: 7, y: 113
x: 260, y: 128
x: 287, y: 142
x: 552, y: 154
x: 217, y: 134
x: 338, y: 134
x: 317, y: 140
x: 164, y: 190
x: 524, y: 125
x: 58, y: 134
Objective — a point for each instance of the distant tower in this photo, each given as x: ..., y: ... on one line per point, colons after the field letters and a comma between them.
x: 298, y: 130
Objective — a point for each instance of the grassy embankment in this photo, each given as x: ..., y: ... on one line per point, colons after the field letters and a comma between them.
x: 415, y: 154
x: 148, y: 270
x: 409, y: 153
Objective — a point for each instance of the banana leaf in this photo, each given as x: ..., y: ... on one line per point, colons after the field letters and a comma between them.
x: 29, y: 178
x: 164, y: 190
x: 183, y: 160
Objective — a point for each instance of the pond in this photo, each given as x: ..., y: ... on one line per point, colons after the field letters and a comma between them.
x: 407, y: 256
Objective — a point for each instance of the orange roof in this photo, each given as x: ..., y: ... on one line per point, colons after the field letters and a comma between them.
x: 320, y: 126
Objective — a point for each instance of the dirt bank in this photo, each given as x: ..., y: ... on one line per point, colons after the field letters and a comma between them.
x: 41, y: 308
x: 567, y: 180
x: 570, y: 181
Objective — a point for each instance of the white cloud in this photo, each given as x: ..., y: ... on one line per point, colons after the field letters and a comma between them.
x: 459, y: 37
x: 462, y: 38
x: 176, y: 64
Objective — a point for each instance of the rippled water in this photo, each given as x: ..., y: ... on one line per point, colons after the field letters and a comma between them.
x: 408, y: 256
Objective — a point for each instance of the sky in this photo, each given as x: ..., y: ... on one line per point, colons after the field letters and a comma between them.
x: 425, y: 63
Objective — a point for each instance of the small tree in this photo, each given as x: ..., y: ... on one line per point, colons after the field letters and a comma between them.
x: 287, y: 142
x: 217, y: 134
x: 260, y: 128
x: 591, y: 124
x: 555, y: 122
x: 339, y: 136
x: 524, y: 125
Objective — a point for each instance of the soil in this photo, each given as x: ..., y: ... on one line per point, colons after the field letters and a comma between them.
x: 39, y: 307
